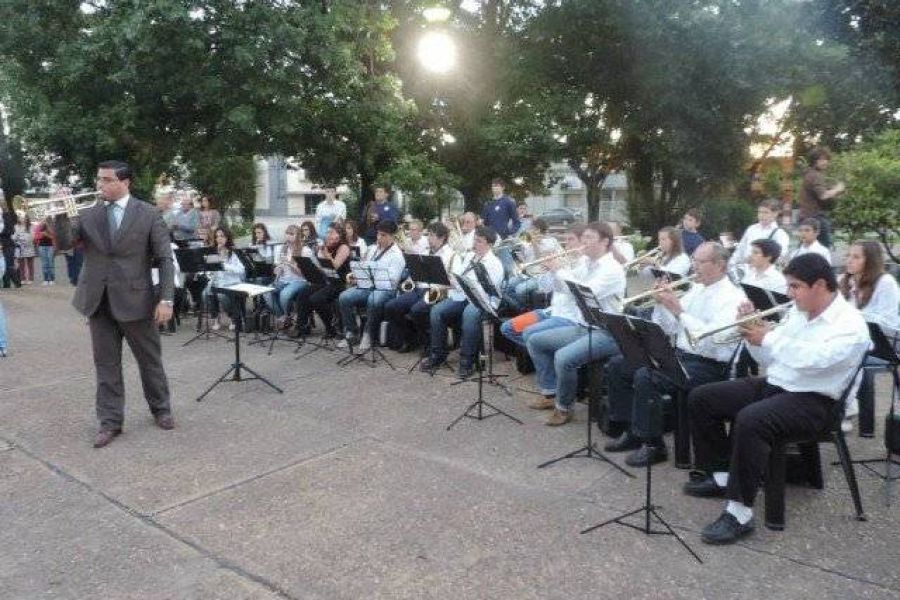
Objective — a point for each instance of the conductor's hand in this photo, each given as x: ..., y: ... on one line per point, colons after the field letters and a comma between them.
x: 755, y: 331
x: 163, y: 313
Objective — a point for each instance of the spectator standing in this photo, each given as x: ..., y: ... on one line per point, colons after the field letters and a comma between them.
x: 24, y: 240
x: 46, y: 247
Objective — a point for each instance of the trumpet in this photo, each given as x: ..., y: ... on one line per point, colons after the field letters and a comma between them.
x: 402, y: 240
x: 435, y: 294
x: 41, y: 208
x: 650, y: 256
x: 568, y: 255
x: 694, y: 337
x: 350, y: 280
x: 672, y: 286
x: 407, y: 285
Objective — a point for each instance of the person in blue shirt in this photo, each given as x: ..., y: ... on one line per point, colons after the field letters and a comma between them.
x: 690, y: 239
x: 500, y: 213
x: 378, y: 210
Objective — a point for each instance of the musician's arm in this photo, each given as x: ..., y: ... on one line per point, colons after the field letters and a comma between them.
x: 341, y: 256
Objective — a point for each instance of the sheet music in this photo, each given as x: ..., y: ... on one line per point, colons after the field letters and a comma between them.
x: 251, y: 289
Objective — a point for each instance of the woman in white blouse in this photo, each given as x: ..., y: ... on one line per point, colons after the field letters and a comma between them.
x: 673, y: 259
x: 232, y: 272
x: 762, y: 272
x: 875, y: 293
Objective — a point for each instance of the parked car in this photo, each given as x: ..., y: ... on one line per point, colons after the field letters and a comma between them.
x: 561, y: 216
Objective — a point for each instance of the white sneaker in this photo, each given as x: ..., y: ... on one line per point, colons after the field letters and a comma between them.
x: 45, y: 283
x: 342, y: 343
x: 847, y: 425
x: 365, y: 344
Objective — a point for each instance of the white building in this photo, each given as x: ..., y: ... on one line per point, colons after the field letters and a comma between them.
x: 565, y: 189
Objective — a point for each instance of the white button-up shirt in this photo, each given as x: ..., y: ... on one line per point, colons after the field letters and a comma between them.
x: 390, y: 265
x: 606, y: 278
x: 884, y: 304
x: 704, y: 307
x: 758, y: 232
x: 814, y: 248
x: 494, y: 271
x: 771, y: 279
x: 818, y: 355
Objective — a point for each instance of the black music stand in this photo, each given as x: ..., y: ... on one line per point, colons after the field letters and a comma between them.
x: 239, y: 294
x: 886, y: 351
x: 484, y: 304
x: 592, y: 314
x: 316, y: 272
x: 200, y: 260
x: 430, y: 270
x: 639, y: 342
x: 375, y: 279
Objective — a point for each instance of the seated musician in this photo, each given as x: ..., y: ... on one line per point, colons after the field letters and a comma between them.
x: 321, y: 297
x: 232, y: 272
x: 711, y: 302
x: 385, y: 262
x: 456, y: 307
x: 559, y: 352
x: 262, y: 241
x: 762, y: 272
x: 308, y: 236
x: 808, y: 233
x: 468, y: 221
x: 351, y: 231
x: 418, y: 242
x: 288, y: 278
x: 520, y: 289
x: 408, y: 312
x: 766, y: 228
x: 672, y: 259
x: 875, y: 293
x: 809, y: 360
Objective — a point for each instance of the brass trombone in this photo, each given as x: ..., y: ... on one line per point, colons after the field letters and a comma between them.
x: 648, y: 295
x: 695, y: 337
x: 648, y: 257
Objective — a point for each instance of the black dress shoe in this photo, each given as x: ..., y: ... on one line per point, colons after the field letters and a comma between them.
x: 429, y: 365
x: 703, y: 486
x: 647, y: 454
x: 105, y: 436
x: 623, y: 443
x: 725, y: 530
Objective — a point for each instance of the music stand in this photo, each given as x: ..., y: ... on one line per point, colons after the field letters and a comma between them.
x: 638, y: 340
x: 200, y: 260
x: 374, y: 279
x: 430, y: 270
x: 239, y: 292
x: 316, y: 272
x: 483, y: 303
x: 593, y: 316
x: 885, y: 350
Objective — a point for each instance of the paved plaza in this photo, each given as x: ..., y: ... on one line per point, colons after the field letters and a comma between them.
x: 350, y: 486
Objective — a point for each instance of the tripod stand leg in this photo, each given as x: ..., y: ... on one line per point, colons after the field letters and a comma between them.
x: 261, y: 378
x: 231, y: 369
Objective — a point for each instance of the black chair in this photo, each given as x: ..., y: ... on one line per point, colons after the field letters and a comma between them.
x: 809, y: 452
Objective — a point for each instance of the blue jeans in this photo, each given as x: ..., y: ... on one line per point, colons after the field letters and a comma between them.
x: 373, y: 300
x: 285, y: 292
x: 559, y: 352
x: 2, y: 328
x: 543, y: 323
x: 47, y: 267
x: 73, y: 264
x: 444, y: 314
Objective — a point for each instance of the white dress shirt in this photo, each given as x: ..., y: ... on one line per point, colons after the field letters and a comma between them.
x: 363, y: 247
x: 494, y: 270
x: 704, y: 307
x: 757, y: 232
x: 625, y: 248
x: 420, y: 246
x: 814, y: 248
x: 469, y: 240
x: 884, y: 304
x: 679, y: 264
x: 387, y: 264
x: 606, y: 278
x: 771, y: 279
x: 818, y: 355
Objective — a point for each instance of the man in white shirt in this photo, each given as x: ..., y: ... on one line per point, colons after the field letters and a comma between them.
x: 328, y: 211
x: 808, y: 232
x: 766, y: 229
x: 810, y: 359
x: 636, y: 397
x: 467, y: 224
x: 559, y: 352
x: 385, y: 262
x: 418, y: 243
x: 456, y: 306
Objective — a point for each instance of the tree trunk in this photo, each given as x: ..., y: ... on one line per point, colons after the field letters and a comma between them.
x: 593, y: 199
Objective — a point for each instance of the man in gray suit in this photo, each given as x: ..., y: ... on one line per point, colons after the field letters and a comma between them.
x: 124, y: 238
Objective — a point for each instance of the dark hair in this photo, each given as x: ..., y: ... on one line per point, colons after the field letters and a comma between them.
x: 810, y: 222
x: 498, y: 181
x: 818, y: 153
x: 602, y: 229
x: 386, y: 226
x: 209, y: 198
x: 121, y: 169
x: 229, y: 238
x: 487, y: 233
x: 809, y: 268
x: 385, y: 186
x: 440, y: 230
x: 312, y: 228
x: 355, y: 227
x: 771, y: 204
x: 577, y: 229
x: 522, y: 203
x: 342, y: 233
x: 540, y: 225
x: 769, y: 248
x: 872, y: 271
x: 695, y: 214
x: 677, y: 246
x: 265, y: 230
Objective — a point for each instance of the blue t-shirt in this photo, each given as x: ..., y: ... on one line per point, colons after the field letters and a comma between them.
x: 501, y: 216
x: 690, y: 240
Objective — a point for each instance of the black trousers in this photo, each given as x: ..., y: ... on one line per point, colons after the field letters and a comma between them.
x: 762, y: 415
x: 143, y: 339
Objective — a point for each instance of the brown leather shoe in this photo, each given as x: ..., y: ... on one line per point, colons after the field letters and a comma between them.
x: 105, y: 436
x: 165, y: 421
x: 559, y: 417
x: 542, y: 403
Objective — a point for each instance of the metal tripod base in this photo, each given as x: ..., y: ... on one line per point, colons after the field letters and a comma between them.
x: 365, y: 358
x: 206, y: 333
x: 476, y: 409
x: 236, y: 368
x: 589, y: 451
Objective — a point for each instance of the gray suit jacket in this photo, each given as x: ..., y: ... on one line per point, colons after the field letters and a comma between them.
x: 120, y: 264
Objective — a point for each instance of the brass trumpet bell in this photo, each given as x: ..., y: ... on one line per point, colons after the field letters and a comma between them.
x: 39, y: 209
